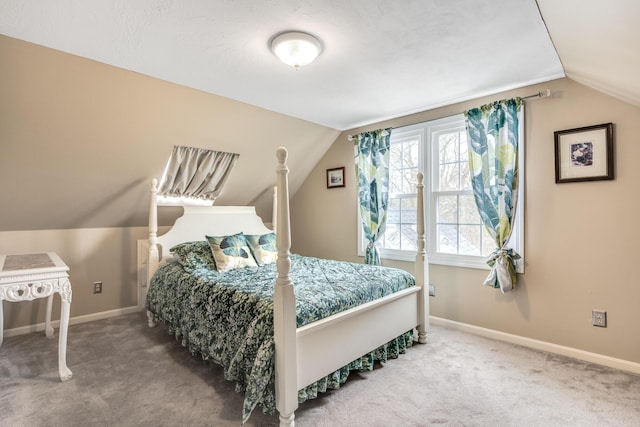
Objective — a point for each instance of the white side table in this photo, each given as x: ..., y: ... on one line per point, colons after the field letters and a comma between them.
x: 25, y: 277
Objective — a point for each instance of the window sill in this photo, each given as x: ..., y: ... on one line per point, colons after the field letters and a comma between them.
x: 478, y: 264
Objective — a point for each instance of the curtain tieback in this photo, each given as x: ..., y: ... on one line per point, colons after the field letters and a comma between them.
x: 371, y: 255
x: 503, y: 271
x: 502, y: 252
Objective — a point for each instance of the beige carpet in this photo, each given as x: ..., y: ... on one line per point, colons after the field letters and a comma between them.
x: 125, y: 374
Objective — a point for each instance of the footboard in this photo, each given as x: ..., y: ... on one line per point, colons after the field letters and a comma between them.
x: 354, y: 332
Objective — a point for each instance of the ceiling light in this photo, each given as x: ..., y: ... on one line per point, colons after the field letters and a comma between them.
x: 296, y: 48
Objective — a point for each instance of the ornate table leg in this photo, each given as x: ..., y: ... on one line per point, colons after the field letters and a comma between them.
x: 48, y: 329
x: 65, y: 294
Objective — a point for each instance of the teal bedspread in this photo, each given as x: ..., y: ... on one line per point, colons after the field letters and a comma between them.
x: 228, y: 317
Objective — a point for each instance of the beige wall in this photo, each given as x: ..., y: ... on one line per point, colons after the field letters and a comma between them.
x: 80, y: 141
x: 92, y: 255
x: 581, y: 239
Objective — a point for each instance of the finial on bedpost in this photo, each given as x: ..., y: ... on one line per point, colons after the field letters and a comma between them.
x: 284, y: 304
x: 422, y: 265
x: 282, y: 154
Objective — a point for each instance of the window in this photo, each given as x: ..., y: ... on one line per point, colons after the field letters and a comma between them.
x: 454, y: 232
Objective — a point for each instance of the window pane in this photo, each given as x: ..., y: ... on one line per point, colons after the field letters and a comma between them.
x: 393, y: 211
x: 395, y: 156
x: 412, y: 154
x: 409, y: 203
x: 465, y: 176
x: 470, y: 243
x: 391, y: 238
x: 408, y: 237
x: 488, y: 244
x: 395, y: 181
x: 447, y: 209
x: 448, y: 147
x: 409, y: 214
x: 449, y: 175
x: 447, y: 239
x: 410, y: 181
x: 468, y: 210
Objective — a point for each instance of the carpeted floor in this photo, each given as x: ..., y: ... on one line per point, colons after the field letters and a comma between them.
x: 125, y: 374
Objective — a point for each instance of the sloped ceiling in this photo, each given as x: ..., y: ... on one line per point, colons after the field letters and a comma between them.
x: 381, y: 59
x: 598, y: 43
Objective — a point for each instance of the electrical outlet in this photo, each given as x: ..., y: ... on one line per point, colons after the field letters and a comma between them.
x: 599, y: 318
x: 97, y: 287
x: 432, y: 290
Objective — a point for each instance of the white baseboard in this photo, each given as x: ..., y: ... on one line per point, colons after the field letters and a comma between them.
x: 586, y: 356
x: 72, y: 321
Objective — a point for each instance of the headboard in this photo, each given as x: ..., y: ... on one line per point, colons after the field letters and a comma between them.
x: 198, y: 221
x: 195, y: 223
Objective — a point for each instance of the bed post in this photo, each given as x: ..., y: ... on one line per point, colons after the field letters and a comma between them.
x: 422, y: 267
x: 153, y: 258
x: 274, y: 213
x: 284, y: 305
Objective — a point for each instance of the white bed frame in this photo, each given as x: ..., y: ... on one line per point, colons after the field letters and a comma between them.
x: 302, y: 354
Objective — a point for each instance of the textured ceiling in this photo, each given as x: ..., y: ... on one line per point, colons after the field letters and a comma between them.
x: 381, y: 59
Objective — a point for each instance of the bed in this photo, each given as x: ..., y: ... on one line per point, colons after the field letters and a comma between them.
x: 278, y: 338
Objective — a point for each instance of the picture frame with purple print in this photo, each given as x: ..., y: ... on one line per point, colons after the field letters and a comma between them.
x: 584, y: 154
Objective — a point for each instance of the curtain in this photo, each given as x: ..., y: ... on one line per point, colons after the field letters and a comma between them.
x: 493, y: 138
x: 372, y: 174
x: 196, y: 173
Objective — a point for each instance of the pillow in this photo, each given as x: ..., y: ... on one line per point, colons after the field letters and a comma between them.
x: 263, y: 248
x: 194, y: 255
x: 231, y: 252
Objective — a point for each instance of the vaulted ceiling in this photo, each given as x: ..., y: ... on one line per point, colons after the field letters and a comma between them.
x: 381, y: 59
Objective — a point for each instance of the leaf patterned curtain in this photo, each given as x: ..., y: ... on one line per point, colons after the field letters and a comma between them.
x: 372, y: 173
x: 196, y: 173
x: 493, y: 137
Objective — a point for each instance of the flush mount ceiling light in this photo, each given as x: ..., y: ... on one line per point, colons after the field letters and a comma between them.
x: 296, y: 48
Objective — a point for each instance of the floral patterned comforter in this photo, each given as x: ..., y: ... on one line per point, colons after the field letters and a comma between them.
x: 228, y: 317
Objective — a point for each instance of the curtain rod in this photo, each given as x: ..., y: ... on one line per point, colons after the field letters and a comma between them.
x: 542, y: 94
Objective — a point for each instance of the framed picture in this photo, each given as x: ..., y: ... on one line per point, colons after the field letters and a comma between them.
x: 335, y: 177
x: 584, y: 154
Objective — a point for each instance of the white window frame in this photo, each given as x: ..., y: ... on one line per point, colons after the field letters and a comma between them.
x: 428, y: 156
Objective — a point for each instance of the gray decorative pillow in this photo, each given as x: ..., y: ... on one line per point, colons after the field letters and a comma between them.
x: 231, y: 252
x: 194, y: 255
x: 263, y: 247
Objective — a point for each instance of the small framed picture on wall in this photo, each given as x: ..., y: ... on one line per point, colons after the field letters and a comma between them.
x: 584, y: 154
x: 335, y: 177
